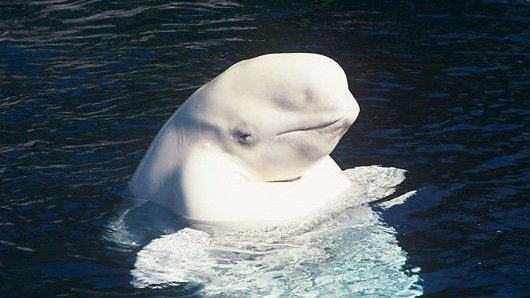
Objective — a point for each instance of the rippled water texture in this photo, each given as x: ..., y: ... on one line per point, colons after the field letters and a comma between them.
x: 443, y: 90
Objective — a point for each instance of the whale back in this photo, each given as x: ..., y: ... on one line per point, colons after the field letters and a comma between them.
x: 156, y: 177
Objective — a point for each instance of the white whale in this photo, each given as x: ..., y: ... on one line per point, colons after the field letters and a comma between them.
x: 253, y: 144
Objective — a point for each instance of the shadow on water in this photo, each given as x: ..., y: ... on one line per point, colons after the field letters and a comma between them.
x: 85, y: 86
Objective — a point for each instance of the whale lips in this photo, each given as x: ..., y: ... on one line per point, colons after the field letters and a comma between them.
x: 314, y: 127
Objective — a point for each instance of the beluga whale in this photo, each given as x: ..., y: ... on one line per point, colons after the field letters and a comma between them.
x: 253, y: 144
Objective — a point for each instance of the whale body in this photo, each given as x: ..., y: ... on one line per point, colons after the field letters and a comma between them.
x: 253, y: 144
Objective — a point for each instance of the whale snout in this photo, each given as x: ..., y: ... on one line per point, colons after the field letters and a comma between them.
x: 350, y: 111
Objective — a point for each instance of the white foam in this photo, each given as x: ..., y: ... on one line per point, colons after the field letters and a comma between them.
x: 397, y: 201
x: 346, y: 250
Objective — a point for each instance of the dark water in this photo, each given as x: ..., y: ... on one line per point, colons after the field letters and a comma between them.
x: 443, y: 90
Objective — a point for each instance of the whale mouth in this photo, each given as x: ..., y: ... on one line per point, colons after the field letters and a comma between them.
x: 315, y: 127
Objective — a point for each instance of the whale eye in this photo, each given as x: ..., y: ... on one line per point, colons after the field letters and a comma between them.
x: 243, y: 134
x: 244, y: 138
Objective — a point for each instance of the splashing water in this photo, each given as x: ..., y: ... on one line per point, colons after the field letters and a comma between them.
x: 346, y: 249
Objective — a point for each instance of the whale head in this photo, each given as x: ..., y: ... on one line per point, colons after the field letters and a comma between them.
x: 276, y: 114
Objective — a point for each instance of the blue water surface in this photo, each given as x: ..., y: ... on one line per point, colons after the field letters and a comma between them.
x: 443, y: 89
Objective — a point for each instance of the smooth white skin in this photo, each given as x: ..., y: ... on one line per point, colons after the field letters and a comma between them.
x: 253, y: 144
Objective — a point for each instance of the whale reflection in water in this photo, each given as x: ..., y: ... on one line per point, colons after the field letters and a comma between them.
x: 346, y: 249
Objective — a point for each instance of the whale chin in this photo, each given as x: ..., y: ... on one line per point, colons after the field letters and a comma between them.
x: 284, y: 177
